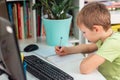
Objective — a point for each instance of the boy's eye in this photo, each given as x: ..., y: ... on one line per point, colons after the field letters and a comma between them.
x: 83, y: 32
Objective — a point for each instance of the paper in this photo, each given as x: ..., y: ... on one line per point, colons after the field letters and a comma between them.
x: 59, y: 60
x: 45, y: 51
x: 71, y: 65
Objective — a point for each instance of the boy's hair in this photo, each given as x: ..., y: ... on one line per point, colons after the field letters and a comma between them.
x: 94, y: 13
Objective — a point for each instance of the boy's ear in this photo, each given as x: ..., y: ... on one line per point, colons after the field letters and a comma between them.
x: 96, y: 28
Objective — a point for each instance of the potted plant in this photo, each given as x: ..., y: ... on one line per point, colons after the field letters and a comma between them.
x: 56, y: 20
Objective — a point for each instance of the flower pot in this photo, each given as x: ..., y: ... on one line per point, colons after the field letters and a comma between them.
x: 57, y: 31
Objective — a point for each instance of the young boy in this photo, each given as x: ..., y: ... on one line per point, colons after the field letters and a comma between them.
x: 94, y: 21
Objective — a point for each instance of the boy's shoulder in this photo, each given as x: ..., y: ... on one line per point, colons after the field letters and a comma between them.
x: 114, y: 37
x: 113, y: 40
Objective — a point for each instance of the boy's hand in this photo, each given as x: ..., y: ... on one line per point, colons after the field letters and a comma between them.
x: 61, y: 50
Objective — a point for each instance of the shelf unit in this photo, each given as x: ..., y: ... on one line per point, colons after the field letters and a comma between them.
x: 76, y: 31
x: 77, y: 37
x: 115, y: 17
x: 32, y: 20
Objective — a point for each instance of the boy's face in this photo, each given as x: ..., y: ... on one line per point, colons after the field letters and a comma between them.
x: 91, y: 35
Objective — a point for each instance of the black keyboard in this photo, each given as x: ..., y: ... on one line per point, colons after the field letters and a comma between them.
x: 44, y: 70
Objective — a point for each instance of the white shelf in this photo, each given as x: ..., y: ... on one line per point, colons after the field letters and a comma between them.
x: 115, y: 17
x: 73, y: 40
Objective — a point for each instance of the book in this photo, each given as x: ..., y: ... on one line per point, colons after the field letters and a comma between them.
x: 19, y: 21
x: 28, y: 20
x: 22, y: 23
x: 116, y: 27
x: 10, y: 12
x: 39, y: 21
x: 15, y: 18
x: 25, y: 18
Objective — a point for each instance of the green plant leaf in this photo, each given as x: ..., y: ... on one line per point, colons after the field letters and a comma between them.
x: 55, y: 9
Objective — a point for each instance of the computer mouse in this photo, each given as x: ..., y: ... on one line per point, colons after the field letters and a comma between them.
x: 31, y: 47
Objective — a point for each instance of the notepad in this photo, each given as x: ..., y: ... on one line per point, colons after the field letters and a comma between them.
x: 61, y: 60
x: 45, y: 51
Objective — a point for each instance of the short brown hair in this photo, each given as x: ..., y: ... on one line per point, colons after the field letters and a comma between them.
x: 94, y: 13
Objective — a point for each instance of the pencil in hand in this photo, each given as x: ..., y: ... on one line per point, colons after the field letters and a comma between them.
x: 60, y: 46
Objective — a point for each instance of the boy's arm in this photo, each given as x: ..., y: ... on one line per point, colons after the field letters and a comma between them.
x: 83, y: 48
x: 91, y: 63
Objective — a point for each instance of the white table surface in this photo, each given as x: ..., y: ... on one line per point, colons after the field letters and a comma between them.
x: 70, y: 63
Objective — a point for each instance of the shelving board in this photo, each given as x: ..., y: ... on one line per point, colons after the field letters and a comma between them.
x: 115, y: 17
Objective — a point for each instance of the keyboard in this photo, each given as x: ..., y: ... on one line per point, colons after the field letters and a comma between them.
x: 44, y: 70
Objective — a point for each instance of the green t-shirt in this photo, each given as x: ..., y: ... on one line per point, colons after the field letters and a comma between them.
x: 110, y: 50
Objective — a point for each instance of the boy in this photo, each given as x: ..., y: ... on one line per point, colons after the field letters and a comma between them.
x: 94, y: 21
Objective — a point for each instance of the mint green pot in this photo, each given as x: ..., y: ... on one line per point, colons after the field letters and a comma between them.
x: 55, y: 29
